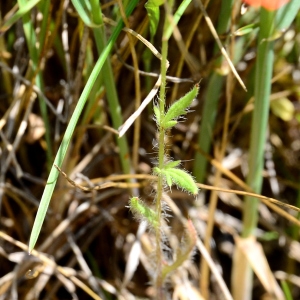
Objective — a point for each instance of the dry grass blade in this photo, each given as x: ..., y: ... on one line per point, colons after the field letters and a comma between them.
x: 138, y: 36
x: 255, y: 255
x: 147, y: 100
x: 267, y: 200
x: 51, y: 263
x: 215, y: 35
x: 99, y: 187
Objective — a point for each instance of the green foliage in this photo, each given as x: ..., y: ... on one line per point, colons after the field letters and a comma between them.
x: 53, y: 176
x: 152, y: 7
x: 178, y: 177
x: 170, y: 124
x: 246, y: 29
x: 179, y: 108
x: 170, y: 174
x: 142, y: 211
x: 286, y: 289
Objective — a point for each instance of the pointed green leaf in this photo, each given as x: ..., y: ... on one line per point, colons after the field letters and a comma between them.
x: 152, y: 7
x: 245, y: 29
x: 181, y: 178
x: 179, y: 107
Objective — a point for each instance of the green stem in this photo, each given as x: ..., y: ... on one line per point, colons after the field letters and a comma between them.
x: 161, y: 155
x: 213, y: 95
x: 34, y: 56
x: 61, y: 153
x: 109, y: 82
x: 263, y: 75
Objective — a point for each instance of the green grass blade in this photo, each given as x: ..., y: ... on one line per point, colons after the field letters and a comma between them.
x: 152, y: 7
x: 213, y: 94
x: 48, y: 191
x: 179, y: 12
x: 286, y: 15
x: 24, y: 9
x: 263, y: 75
x: 109, y: 82
x: 31, y: 39
x: 83, y: 12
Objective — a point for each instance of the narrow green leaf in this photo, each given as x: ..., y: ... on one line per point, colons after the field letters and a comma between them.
x: 48, y: 191
x: 182, y: 179
x: 152, y: 7
x: 83, y: 12
x: 19, y: 14
x: 179, y: 107
x: 156, y: 171
x: 245, y: 29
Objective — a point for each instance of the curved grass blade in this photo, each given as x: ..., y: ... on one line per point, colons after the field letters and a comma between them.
x: 19, y: 14
x: 48, y: 191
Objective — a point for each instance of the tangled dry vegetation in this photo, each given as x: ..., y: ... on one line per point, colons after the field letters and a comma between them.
x: 91, y: 246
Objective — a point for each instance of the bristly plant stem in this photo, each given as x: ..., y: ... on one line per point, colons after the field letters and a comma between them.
x: 161, y: 155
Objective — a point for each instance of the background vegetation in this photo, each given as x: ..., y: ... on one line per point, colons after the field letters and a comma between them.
x: 70, y: 78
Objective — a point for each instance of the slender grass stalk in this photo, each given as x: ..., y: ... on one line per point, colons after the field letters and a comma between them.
x: 287, y: 292
x: 24, y: 8
x: 109, y: 82
x: 205, y: 139
x: 263, y: 76
x: 213, y: 95
x: 269, y: 23
x: 35, y: 58
x: 48, y: 191
x: 137, y: 86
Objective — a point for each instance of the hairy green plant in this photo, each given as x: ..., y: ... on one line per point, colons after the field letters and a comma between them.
x: 168, y: 172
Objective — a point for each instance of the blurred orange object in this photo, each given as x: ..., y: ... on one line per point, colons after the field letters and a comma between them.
x: 267, y: 4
